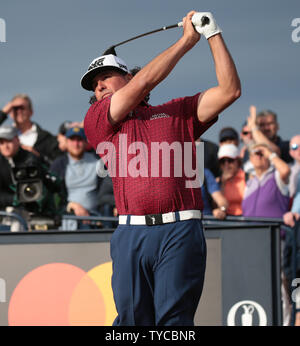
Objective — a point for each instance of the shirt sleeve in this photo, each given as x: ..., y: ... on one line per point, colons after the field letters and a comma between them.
x: 212, y: 185
x: 190, y: 104
x: 282, y: 186
x: 97, y: 126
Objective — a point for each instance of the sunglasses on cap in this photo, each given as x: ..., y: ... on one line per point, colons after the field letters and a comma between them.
x: 294, y: 146
x: 226, y: 159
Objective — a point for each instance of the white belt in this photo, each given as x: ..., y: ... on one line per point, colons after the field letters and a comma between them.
x: 158, y: 219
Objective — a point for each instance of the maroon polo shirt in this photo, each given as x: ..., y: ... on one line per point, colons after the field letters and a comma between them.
x: 149, y: 154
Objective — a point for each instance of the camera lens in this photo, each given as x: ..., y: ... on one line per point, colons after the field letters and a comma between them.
x: 30, y: 191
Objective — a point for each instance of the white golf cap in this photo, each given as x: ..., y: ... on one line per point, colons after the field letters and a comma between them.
x: 104, y: 62
x: 228, y: 150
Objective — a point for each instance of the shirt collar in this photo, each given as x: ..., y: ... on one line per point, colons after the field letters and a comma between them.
x: 269, y: 170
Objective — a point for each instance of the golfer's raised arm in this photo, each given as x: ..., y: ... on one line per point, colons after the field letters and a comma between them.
x: 216, y: 99
x: 128, y: 97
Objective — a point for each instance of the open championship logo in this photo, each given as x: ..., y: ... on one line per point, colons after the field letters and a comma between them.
x: 247, y: 313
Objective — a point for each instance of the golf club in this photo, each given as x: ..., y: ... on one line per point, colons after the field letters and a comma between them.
x: 111, y: 50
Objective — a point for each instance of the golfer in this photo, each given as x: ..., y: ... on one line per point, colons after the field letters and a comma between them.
x: 158, y: 249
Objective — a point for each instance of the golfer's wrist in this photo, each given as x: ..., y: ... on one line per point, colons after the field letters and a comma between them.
x: 186, y: 43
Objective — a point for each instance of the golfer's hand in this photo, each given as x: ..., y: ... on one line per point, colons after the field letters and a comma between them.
x: 206, y: 24
x: 189, y: 32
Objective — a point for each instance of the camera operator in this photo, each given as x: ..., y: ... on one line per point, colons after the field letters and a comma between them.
x: 13, y: 157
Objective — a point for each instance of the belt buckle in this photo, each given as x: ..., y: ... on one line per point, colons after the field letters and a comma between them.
x: 153, y: 219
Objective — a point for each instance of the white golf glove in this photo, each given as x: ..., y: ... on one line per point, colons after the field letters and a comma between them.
x: 205, y: 24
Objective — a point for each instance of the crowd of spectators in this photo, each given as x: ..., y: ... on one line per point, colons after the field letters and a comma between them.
x: 251, y: 172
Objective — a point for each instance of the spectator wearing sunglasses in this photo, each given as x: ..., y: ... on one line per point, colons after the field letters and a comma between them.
x: 232, y: 178
x: 266, y: 193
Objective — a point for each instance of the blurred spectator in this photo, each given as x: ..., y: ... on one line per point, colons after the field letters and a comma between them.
x: 77, y: 168
x: 289, y: 218
x: 12, y: 156
x: 61, y: 136
x: 62, y: 139
x: 228, y: 135
x: 294, y: 184
x: 292, y: 243
x: 210, y: 156
x: 32, y: 137
x: 264, y: 127
x: 266, y: 193
x: 247, y: 140
x: 232, y: 178
x: 214, y: 202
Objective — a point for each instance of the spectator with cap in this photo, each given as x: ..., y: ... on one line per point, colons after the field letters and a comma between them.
x: 228, y: 135
x: 61, y: 136
x: 77, y: 169
x: 232, y: 178
x: 32, y: 137
x: 264, y: 127
x: 267, y: 192
x: 62, y: 139
x: 13, y: 156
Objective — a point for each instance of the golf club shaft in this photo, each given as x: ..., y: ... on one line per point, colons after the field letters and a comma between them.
x: 149, y: 33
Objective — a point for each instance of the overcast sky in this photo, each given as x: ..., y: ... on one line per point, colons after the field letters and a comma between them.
x: 49, y: 45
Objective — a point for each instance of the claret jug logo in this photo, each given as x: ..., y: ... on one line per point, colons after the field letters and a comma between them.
x: 247, y: 313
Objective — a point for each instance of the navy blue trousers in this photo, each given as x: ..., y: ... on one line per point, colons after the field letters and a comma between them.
x: 158, y: 273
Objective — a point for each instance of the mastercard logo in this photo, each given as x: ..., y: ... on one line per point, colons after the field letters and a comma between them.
x: 61, y: 294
